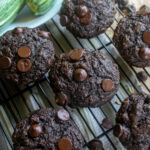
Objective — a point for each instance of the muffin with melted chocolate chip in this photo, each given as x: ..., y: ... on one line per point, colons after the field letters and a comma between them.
x: 133, y: 122
x: 47, y: 129
x: 82, y: 78
x: 132, y: 38
x: 25, y: 55
x: 87, y: 18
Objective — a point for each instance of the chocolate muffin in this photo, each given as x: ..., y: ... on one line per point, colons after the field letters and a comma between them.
x: 82, y: 78
x: 47, y: 129
x: 25, y: 55
x: 132, y: 38
x: 133, y: 122
x: 87, y: 18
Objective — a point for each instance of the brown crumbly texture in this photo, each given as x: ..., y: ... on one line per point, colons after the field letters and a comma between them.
x: 52, y: 131
x: 134, y: 117
x: 128, y: 38
x: 103, y: 12
x: 87, y: 93
x: 42, y: 53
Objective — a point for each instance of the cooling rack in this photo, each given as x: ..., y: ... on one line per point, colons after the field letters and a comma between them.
x: 16, y: 102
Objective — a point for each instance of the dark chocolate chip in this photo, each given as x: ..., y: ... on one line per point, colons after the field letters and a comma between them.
x: 44, y: 34
x: 65, y: 144
x: 145, y: 53
x: 63, y: 115
x: 64, y: 20
x: 107, y: 85
x: 95, y: 145
x: 80, y: 75
x: 146, y: 37
x: 82, y: 10
x: 76, y: 54
x: 142, y: 76
x: 107, y: 123
x: 18, y: 30
x: 86, y: 19
x: 61, y: 99
x: 35, y: 130
x: 5, y: 62
x: 118, y: 130
x: 24, y: 52
x: 24, y: 65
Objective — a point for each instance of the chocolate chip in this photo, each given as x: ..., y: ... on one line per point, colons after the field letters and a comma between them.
x: 107, y: 123
x: 82, y: 10
x: 144, y: 10
x: 61, y: 99
x: 145, y: 53
x: 24, y: 52
x: 5, y: 62
x: 76, y: 54
x: 63, y: 115
x: 24, y: 65
x: 64, y: 20
x: 107, y: 85
x: 35, y: 130
x: 86, y: 19
x: 65, y: 144
x: 80, y: 75
x: 146, y: 37
x: 142, y: 76
x: 118, y: 130
x: 44, y: 34
x: 18, y: 30
x: 95, y: 145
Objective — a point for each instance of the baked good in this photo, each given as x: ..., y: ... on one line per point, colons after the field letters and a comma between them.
x: 132, y: 38
x: 25, y: 55
x: 133, y: 122
x: 47, y: 129
x: 82, y: 78
x: 87, y: 18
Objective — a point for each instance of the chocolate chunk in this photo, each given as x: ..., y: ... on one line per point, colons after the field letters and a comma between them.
x: 24, y: 52
x: 145, y: 53
x: 61, y: 99
x: 5, y: 62
x: 63, y: 115
x: 107, y: 85
x: 95, y: 144
x: 142, y: 75
x: 118, y: 130
x: 18, y: 30
x: 144, y: 10
x: 76, y: 54
x: 82, y: 10
x: 80, y: 75
x: 35, y: 130
x: 107, y: 123
x: 65, y: 144
x: 44, y: 34
x: 86, y: 19
x: 24, y: 65
x: 146, y: 37
x: 64, y: 20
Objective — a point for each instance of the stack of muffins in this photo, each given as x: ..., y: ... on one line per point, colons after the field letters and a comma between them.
x: 80, y: 78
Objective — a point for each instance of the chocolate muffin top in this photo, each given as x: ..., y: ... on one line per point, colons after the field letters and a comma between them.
x: 133, y: 122
x: 25, y: 55
x: 132, y: 38
x: 47, y: 129
x: 87, y: 18
x: 82, y: 78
